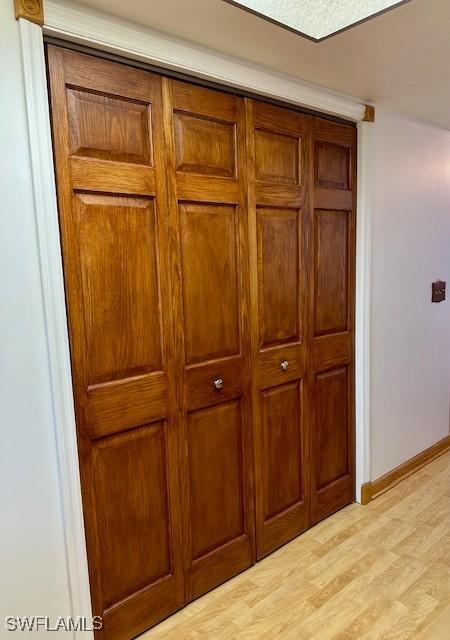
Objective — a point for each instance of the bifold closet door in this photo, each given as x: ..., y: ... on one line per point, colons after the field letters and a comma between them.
x: 205, y: 148
x: 208, y: 253
x: 109, y: 150
x: 331, y: 330
x: 278, y: 212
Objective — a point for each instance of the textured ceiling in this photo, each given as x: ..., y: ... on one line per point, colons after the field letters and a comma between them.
x: 317, y: 18
x: 400, y: 59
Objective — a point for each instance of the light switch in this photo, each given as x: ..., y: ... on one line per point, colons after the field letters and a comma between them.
x: 438, y: 291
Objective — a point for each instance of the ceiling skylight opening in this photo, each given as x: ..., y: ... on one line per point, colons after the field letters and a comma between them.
x: 317, y: 19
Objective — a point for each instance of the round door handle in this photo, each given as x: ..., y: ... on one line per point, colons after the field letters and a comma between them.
x: 284, y: 365
x: 218, y: 384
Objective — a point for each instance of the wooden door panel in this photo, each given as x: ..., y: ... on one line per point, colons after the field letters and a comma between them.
x: 117, y: 406
x: 277, y: 157
x: 334, y: 199
x: 278, y: 275
x: 332, y: 426
x: 120, y: 287
x: 332, y: 441
x: 210, y: 268
x: 331, y: 332
x: 282, y: 441
x: 192, y: 188
x: 216, y: 480
x: 112, y: 177
x: 199, y: 382
x: 332, y: 167
x: 215, y: 106
x: 283, y: 449
x: 208, y: 250
x: 270, y: 371
x: 204, y: 145
x: 270, y: 194
x: 331, y: 350
x: 130, y: 486
x: 109, y: 128
x: 120, y: 81
x: 276, y: 141
x: 205, y: 139
x: 331, y: 268
x: 108, y: 142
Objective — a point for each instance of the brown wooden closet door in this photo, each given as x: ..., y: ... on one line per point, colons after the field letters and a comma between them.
x: 108, y: 142
x: 331, y: 327
x: 206, y: 163
x: 277, y: 191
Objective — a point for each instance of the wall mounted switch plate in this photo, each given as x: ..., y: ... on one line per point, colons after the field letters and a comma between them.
x: 438, y: 291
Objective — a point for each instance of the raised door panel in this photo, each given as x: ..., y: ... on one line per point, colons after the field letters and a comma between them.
x: 331, y: 330
x: 120, y: 286
x: 108, y: 142
x: 332, y: 426
x: 206, y: 147
x: 277, y: 190
x: 131, y: 493
x: 278, y: 240
x: 277, y: 157
x: 332, y: 165
x: 283, y: 458
x: 216, y: 480
x: 332, y: 441
x: 210, y: 274
x: 108, y: 127
x: 331, y: 268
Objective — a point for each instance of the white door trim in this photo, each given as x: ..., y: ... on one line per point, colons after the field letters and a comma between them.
x: 75, y: 23
x: 363, y: 303
x: 52, y: 283
x: 65, y: 19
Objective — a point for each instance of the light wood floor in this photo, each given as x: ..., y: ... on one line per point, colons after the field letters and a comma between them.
x: 380, y: 571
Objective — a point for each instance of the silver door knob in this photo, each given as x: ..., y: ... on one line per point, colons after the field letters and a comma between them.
x: 218, y: 383
x: 284, y: 365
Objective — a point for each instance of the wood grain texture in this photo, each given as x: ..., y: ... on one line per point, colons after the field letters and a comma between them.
x: 208, y: 250
x: 210, y: 273
x: 369, y: 114
x: 331, y: 272
x: 372, y: 490
x: 216, y: 480
x: 120, y: 130
x: 205, y: 150
x: 331, y: 440
x: 365, y: 573
x: 32, y: 10
x: 282, y: 441
x: 117, y: 462
x: 204, y: 145
x: 330, y: 377
x: 276, y: 149
x: 118, y: 285
x: 279, y: 275
x: 331, y: 166
x: 277, y: 157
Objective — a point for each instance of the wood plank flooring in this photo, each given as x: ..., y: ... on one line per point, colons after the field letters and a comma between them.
x: 376, y: 572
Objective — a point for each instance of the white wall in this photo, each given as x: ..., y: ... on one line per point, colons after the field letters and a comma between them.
x: 410, y: 347
x: 33, y: 574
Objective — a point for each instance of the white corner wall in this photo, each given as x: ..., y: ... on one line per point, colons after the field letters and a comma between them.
x: 410, y: 336
x: 33, y: 570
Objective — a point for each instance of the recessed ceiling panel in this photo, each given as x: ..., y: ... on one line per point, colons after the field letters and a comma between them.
x: 317, y: 19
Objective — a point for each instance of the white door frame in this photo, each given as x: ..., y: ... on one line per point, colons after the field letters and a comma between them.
x: 80, y: 24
